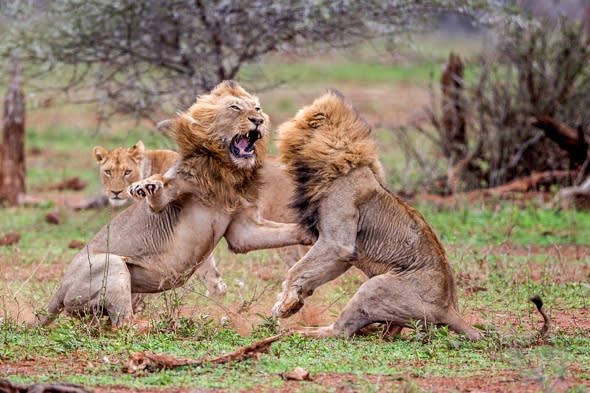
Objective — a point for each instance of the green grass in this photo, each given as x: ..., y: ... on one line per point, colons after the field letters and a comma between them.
x: 508, y: 281
x: 441, y: 355
x: 478, y: 224
x: 300, y: 73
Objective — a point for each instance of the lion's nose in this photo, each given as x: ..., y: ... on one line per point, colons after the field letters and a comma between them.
x: 256, y: 120
x: 116, y: 193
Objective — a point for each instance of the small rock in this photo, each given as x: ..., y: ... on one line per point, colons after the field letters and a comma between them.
x: 9, y: 239
x: 53, y: 218
x: 298, y: 374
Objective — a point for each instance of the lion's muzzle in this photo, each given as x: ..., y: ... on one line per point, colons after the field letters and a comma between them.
x: 242, y: 145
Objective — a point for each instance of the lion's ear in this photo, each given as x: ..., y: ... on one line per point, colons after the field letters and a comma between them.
x: 337, y: 93
x: 137, y: 150
x: 99, y: 153
x: 166, y: 126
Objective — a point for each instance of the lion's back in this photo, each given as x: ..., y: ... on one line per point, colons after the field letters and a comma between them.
x: 393, y: 236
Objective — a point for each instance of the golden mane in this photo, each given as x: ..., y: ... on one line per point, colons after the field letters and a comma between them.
x: 203, y: 134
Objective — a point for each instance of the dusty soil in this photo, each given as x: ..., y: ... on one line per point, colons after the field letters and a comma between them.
x: 342, y: 383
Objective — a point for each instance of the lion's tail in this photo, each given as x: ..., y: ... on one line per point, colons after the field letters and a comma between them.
x: 535, y: 337
x: 541, y: 335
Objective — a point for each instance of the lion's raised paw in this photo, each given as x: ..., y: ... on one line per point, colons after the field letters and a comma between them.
x: 144, y: 188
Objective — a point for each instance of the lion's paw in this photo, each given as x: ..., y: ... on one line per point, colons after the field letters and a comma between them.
x: 146, y: 187
x: 290, y: 301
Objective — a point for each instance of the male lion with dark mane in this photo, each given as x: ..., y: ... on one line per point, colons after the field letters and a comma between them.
x: 157, y: 244
x: 341, y: 199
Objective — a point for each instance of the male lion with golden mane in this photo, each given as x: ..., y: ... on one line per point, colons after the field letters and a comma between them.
x: 341, y: 199
x: 157, y: 243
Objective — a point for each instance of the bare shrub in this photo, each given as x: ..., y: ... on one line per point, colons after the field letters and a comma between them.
x: 133, y: 56
x: 527, y: 111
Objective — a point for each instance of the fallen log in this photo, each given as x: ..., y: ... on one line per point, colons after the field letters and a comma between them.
x: 567, y: 138
x: 520, y: 185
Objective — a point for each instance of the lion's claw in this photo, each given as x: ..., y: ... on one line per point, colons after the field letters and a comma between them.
x: 143, y: 188
x: 290, y: 301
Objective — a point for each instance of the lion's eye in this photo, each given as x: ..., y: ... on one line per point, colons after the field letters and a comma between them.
x: 107, y: 172
x: 235, y: 107
x: 127, y: 172
x: 257, y: 109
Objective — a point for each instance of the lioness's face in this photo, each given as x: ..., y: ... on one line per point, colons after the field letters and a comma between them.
x: 118, y: 169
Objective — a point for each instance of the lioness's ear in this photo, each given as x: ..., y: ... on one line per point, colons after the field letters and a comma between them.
x: 166, y: 126
x: 99, y: 153
x: 137, y: 150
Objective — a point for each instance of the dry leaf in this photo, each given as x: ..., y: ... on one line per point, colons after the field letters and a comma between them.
x: 76, y: 244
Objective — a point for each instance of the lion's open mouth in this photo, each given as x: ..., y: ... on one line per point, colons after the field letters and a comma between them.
x: 242, y: 146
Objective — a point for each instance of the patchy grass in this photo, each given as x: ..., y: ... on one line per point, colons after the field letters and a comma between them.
x: 494, y: 283
x: 501, y: 254
x: 495, y: 223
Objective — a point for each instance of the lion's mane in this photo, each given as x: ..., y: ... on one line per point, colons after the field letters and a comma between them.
x: 323, y: 142
x: 203, y: 146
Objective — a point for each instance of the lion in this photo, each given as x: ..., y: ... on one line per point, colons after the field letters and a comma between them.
x: 157, y: 243
x: 341, y: 200
x: 121, y: 166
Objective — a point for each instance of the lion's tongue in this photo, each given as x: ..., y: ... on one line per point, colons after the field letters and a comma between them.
x: 243, y: 144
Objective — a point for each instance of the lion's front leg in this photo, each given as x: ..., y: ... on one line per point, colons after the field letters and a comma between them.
x: 329, y: 257
x: 324, y: 262
x: 157, y: 191
x: 248, y: 232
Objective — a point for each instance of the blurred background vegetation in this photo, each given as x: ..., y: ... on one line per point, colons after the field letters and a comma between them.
x: 509, y: 106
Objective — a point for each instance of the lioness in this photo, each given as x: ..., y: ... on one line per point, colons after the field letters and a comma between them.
x: 156, y: 244
x: 122, y: 166
x: 342, y: 200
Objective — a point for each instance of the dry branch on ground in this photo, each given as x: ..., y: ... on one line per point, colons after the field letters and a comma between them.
x: 153, y: 361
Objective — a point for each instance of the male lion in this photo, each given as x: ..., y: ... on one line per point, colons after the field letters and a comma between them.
x: 122, y: 166
x: 156, y: 244
x: 342, y: 200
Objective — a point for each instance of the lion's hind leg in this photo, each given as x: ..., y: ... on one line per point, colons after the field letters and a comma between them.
x: 396, y: 300
x: 102, y: 284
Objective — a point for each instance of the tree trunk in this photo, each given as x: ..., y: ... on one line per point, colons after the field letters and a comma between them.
x: 453, y: 110
x: 12, y: 164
